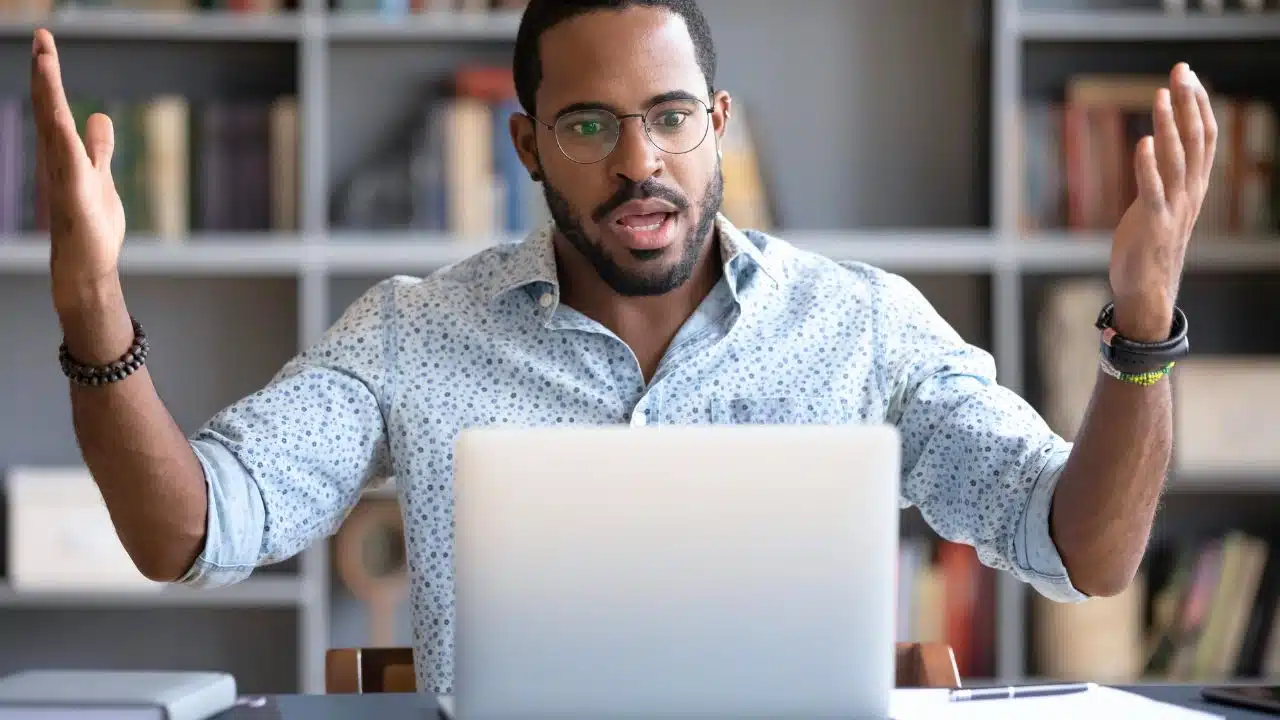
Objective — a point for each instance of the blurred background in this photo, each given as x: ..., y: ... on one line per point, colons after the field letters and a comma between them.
x: 276, y: 160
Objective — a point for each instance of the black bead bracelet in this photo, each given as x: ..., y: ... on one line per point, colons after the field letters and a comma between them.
x: 94, y: 375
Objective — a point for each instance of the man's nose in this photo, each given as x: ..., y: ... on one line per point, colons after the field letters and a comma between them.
x: 635, y: 157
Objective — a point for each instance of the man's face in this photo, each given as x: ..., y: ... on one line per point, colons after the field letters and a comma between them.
x: 640, y: 215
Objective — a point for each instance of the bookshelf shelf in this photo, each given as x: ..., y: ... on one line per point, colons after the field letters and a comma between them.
x: 357, y: 253
x: 248, y: 254
x: 348, y: 253
x: 1063, y: 252
x: 1264, y: 485
x: 100, y: 24
x: 1121, y: 25
x: 262, y: 591
x: 925, y: 250
x: 442, y: 26
x: 907, y: 250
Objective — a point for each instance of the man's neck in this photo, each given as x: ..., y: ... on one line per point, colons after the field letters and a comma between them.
x: 646, y: 324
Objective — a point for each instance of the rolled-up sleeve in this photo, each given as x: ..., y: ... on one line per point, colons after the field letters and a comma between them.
x: 286, y: 464
x: 978, y: 461
x: 235, y: 520
x: 1036, y: 553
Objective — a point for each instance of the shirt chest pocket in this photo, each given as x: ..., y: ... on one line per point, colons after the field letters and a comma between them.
x: 804, y: 410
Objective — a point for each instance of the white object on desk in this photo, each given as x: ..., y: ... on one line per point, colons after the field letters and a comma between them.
x: 60, y: 535
x: 116, y: 695
x: 1099, y: 702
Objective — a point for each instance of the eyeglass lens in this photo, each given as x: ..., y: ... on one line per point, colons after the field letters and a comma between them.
x: 675, y: 126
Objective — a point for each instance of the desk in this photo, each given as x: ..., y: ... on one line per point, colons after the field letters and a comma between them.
x: 422, y: 707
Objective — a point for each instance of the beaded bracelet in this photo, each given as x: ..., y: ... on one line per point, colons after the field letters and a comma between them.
x: 1150, y: 377
x: 94, y: 375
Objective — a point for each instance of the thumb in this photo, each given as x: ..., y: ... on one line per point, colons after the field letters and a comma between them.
x: 99, y: 141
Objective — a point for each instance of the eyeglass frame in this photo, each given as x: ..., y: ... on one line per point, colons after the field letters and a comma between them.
x: 664, y: 98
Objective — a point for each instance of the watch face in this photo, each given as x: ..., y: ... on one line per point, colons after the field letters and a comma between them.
x: 1104, y: 316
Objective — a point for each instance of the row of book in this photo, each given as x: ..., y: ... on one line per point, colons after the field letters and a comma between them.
x: 944, y: 594
x: 1077, y: 159
x: 226, y: 166
x: 179, y: 167
x: 1215, y: 615
x: 1199, y: 611
x: 456, y: 171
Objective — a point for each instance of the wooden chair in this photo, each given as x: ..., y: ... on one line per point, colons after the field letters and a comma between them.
x: 390, y: 669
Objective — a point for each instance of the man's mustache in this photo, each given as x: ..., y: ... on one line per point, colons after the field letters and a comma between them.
x: 630, y: 190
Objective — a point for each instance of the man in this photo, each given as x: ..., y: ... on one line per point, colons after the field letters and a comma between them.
x: 639, y: 305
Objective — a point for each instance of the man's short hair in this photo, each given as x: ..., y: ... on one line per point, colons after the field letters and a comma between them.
x: 542, y: 15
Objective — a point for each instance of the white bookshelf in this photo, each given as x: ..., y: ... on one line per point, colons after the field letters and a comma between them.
x: 941, y: 210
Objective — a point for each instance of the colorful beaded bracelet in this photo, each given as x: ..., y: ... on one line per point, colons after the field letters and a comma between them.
x: 1150, y: 377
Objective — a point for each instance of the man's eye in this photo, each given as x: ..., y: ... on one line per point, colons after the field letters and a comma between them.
x: 671, y: 119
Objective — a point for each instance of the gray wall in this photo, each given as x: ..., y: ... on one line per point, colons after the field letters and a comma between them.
x: 885, y: 99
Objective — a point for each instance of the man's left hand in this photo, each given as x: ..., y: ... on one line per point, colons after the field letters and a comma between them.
x: 1172, y: 176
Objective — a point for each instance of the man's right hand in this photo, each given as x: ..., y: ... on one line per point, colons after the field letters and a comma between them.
x: 86, y: 217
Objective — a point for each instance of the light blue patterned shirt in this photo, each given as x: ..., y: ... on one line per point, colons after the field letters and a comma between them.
x: 785, y: 337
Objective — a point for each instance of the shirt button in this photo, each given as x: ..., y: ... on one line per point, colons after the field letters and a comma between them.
x: 546, y: 300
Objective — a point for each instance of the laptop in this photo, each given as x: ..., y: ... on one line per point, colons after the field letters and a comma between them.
x: 662, y: 572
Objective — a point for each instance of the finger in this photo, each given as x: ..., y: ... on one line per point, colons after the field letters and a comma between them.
x: 1147, y: 171
x: 1190, y: 126
x: 99, y: 140
x: 54, y: 112
x: 1210, y: 124
x: 44, y: 153
x: 1168, y: 144
x: 39, y: 109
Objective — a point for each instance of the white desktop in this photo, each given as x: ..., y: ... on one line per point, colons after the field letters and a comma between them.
x: 661, y: 572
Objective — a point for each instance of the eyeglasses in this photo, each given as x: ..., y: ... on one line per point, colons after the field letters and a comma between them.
x: 673, y: 126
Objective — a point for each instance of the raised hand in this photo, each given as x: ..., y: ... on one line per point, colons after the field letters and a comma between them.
x: 1150, y: 242
x: 86, y: 217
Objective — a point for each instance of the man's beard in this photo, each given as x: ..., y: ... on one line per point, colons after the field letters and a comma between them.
x: 627, y: 282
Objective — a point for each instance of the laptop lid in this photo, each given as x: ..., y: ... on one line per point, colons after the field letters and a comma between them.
x: 726, y: 571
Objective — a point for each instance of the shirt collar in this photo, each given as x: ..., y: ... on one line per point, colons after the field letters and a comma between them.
x: 532, y: 261
x: 742, y: 257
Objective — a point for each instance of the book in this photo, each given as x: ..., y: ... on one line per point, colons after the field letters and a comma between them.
x: 116, y: 694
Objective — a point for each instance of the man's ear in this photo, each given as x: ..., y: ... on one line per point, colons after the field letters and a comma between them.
x: 523, y: 135
x: 721, y: 109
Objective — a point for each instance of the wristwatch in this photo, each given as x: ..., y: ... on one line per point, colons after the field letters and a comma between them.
x: 1131, y: 356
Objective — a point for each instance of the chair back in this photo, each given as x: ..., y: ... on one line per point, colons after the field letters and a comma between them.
x: 390, y: 669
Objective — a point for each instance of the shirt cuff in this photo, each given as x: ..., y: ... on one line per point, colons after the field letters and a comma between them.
x: 234, y: 523
x: 1038, y: 559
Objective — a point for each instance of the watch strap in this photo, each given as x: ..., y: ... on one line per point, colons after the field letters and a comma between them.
x: 1136, y: 357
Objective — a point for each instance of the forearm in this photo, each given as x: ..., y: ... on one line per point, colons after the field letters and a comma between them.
x: 1106, y: 499
x: 149, y: 477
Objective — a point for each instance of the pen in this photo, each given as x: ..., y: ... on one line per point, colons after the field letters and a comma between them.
x: 1010, y: 693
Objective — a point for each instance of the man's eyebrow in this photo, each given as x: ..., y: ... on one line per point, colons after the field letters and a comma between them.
x: 656, y: 99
